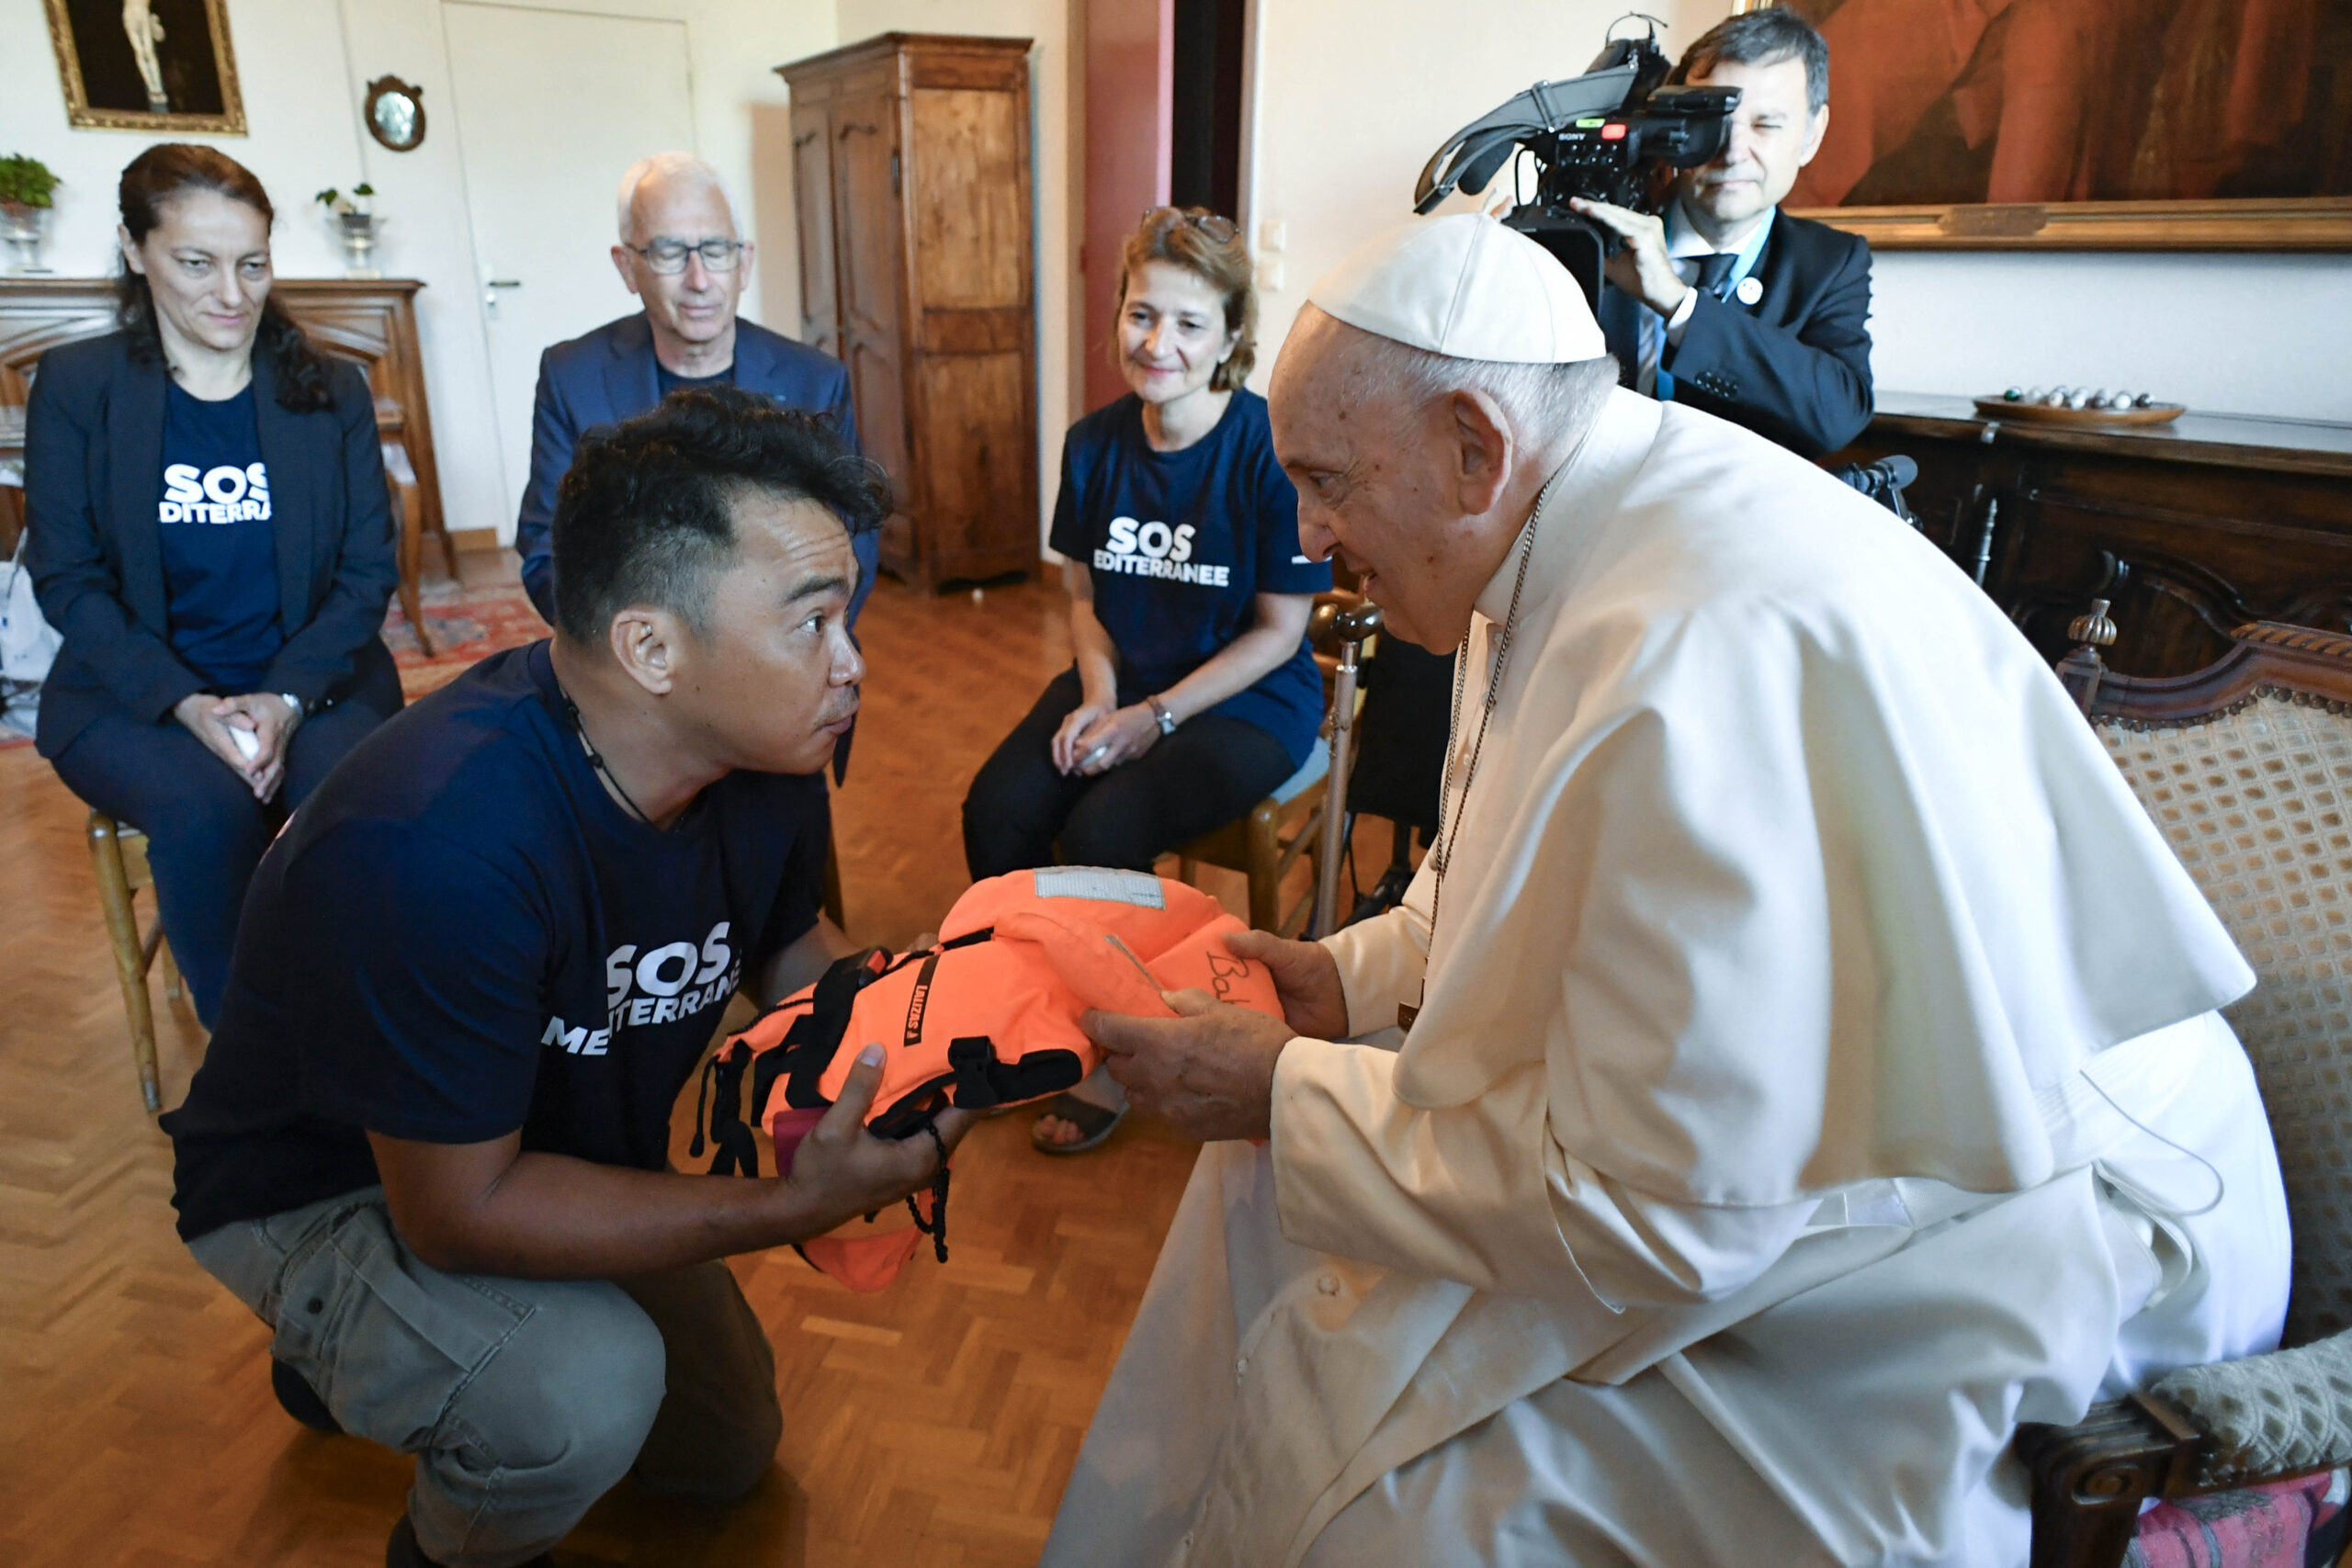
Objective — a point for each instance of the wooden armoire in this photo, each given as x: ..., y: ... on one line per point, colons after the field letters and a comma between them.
x: 910, y: 164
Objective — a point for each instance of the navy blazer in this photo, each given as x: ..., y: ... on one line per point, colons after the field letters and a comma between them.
x: 93, y: 473
x: 610, y: 374
x: 1794, y: 366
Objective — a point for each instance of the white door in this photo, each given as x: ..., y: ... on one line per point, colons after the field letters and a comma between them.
x: 552, y: 107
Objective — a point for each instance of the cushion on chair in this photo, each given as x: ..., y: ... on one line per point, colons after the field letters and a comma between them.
x: 1310, y: 772
x: 2257, y: 802
x: 2269, y: 1414
x: 2286, y: 1524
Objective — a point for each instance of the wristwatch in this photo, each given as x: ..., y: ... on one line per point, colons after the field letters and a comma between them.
x: 301, y: 710
x: 1159, y: 711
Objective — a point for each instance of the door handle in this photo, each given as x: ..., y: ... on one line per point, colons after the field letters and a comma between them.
x: 491, y: 286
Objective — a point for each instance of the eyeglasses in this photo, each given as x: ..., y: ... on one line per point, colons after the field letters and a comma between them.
x: 1221, y: 230
x: 667, y: 257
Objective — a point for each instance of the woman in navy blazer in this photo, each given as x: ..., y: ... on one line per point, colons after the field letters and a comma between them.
x: 209, y: 531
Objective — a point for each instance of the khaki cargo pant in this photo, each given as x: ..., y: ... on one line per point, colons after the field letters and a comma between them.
x: 523, y: 1400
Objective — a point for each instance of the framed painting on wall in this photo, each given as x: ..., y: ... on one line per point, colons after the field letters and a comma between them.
x: 2086, y: 124
x: 147, y: 65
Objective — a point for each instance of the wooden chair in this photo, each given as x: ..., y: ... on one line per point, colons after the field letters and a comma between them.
x: 121, y: 853
x: 1288, y: 824
x: 407, y: 530
x: 2246, y: 767
x: 1263, y: 846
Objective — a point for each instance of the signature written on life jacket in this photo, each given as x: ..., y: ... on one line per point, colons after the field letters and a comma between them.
x: 1225, y: 972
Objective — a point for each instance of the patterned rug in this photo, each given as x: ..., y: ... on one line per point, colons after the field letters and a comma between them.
x: 466, y: 623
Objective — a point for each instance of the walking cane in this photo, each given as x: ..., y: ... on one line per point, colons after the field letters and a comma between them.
x: 1351, y: 628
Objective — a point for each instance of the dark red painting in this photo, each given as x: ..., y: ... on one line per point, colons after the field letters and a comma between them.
x: 2046, y: 101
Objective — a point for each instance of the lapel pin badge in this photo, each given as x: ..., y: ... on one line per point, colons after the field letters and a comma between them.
x: 1750, y: 290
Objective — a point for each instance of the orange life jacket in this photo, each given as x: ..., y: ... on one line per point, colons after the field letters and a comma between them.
x: 986, y: 1017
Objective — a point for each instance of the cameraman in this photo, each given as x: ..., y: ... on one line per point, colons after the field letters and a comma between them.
x: 1726, y: 303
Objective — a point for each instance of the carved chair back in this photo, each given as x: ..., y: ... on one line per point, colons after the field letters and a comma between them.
x: 2246, y: 767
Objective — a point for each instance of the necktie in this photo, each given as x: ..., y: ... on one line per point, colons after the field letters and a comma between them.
x: 1714, y: 271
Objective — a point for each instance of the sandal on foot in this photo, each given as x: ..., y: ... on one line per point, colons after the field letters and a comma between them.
x: 1095, y: 1122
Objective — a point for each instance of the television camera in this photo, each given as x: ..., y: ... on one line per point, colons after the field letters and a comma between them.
x: 1613, y: 134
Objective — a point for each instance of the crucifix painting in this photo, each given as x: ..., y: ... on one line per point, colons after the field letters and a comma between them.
x: 147, y: 65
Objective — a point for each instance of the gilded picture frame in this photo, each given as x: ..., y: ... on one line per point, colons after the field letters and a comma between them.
x: 148, y: 65
x: 2064, y: 125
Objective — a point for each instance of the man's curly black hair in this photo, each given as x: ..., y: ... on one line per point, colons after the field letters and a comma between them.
x: 645, y: 515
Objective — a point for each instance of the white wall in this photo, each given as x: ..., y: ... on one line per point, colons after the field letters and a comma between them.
x: 290, y: 58
x: 2265, y: 334
x: 743, y: 114
x: 1355, y: 94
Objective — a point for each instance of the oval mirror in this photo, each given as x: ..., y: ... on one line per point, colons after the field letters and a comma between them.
x: 395, y: 113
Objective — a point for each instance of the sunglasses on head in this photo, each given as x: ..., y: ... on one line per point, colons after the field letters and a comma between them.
x: 1221, y: 230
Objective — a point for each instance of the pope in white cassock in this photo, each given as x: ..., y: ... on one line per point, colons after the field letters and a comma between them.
x: 1811, y: 1068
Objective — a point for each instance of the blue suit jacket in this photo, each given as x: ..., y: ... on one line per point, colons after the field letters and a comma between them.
x: 94, y: 471
x: 610, y: 374
x: 1794, y: 366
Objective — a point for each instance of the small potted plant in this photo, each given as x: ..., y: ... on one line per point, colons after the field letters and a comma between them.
x: 26, y: 185
x: 356, y: 220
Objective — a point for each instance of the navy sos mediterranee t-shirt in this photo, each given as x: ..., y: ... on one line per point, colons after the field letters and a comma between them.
x: 1180, y: 544
x: 220, y: 545
x: 460, y: 934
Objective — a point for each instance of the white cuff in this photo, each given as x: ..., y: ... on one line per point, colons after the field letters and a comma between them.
x: 1382, y: 962
x: 1681, y: 317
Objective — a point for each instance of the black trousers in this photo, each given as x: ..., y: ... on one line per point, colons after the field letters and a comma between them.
x: 205, y: 830
x: 1020, y: 809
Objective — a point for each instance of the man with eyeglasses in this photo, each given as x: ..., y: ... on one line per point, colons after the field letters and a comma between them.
x: 682, y: 253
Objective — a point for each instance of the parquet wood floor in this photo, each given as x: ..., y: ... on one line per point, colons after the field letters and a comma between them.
x: 935, y: 1423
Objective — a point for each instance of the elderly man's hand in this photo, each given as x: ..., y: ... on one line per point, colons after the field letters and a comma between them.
x: 1642, y: 266
x: 1305, y: 977
x: 1209, y: 1073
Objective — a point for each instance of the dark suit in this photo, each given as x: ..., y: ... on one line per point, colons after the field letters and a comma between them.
x: 610, y: 374
x: 1794, y: 366
x: 94, y: 471
x: 94, y: 464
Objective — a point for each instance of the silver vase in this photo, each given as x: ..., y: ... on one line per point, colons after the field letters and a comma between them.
x: 23, y: 229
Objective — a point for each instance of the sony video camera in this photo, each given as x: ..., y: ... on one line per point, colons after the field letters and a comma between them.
x: 1612, y: 134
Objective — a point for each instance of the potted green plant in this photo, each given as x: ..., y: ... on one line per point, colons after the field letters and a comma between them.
x: 26, y: 184
x: 356, y: 220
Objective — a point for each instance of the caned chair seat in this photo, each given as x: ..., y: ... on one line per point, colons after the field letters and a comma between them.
x: 119, y: 852
x: 2246, y: 769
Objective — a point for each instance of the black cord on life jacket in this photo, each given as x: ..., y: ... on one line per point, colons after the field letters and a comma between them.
x: 937, y: 1228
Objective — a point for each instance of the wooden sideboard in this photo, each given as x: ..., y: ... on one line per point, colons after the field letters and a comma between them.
x: 2192, y: 529
x: 370, y: 321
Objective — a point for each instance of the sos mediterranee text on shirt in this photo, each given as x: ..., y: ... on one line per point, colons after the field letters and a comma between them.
x: 223, y: 494
x: 1154, y: 549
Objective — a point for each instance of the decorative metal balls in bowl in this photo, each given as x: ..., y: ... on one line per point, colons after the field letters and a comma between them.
x: 2078, y: 405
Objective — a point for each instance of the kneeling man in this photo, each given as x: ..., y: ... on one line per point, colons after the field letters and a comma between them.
x: 429, y: 1143
x: 1810, y: 1067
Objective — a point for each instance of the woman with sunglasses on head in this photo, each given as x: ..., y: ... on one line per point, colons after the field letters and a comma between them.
x: 209, y: 531
x: 1194, y: 693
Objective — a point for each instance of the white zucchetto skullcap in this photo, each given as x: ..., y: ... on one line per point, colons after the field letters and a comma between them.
x: 1466, y: 287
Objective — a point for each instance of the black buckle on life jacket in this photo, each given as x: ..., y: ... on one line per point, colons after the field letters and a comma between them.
x: 808, y: 1045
